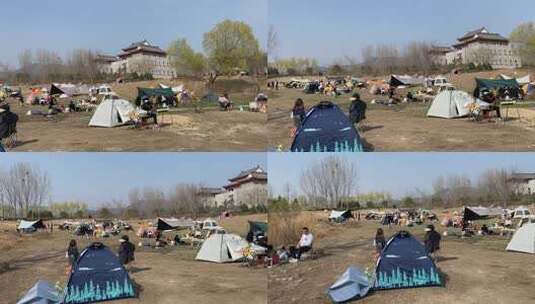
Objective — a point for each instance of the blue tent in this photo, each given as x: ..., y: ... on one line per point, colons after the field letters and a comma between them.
x: 353, y: 284
x: 98, y: 276
x: 41, y: 293
x: 326, y: 129
x: 404, y: 263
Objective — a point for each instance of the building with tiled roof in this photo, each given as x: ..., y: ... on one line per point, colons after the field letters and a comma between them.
x: 248, y: 187
x: 522, y: 183
x: 482, y: 47
x: 139, y: 57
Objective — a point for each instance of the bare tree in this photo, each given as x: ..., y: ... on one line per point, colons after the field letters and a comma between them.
x: 272, y: 42
x: 25, y: 187
x: 329, y: 181
x: 494, y: 186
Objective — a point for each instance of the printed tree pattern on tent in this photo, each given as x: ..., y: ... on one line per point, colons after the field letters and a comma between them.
x: 91, y: 292
x: 399, y: 278
x: 338, y: 147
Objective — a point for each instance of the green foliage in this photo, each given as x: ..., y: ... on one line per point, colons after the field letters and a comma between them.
x: 105, y: 213
x: 230, y: 45
x: 408, y: 202
x: 370, y: 205
x: 185, y: 60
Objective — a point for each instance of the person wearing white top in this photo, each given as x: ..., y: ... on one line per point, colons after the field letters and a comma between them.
x: 305, y: 243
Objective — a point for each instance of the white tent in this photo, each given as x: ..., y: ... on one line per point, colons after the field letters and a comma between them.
x: 41, y: 292
x: 450, y: 104
x: 111, y: 113
x: 30, y: 226
x: 222, y: 248
x: 523, y: 240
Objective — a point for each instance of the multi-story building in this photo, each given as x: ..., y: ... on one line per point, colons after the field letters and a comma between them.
x: 139, y: 57
x: 522, y: 183
x: 249, y: 188
x: 438, y: 54
x: 481, y: 47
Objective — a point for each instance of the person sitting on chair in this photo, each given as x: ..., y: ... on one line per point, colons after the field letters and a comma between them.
x: 357, y: 109
x: 224, y: 102
x: 304, y: 244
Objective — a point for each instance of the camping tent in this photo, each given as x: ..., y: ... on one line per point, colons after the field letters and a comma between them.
x: 222, y: 248
x: 55, y: 90
x: 340, y: 216
x: 450, y: 104
x: 523, y: 240
x: 31, y: 226
x: 521, y: 80
x: 41, y: 293
x: 406, y: 80
x: 173, y: 223
x: 477, y: 213
x: 351, y: 285
x: 112, y: 113
x: 404, y: 263
x: 326, y: 129
x: 98, y: 276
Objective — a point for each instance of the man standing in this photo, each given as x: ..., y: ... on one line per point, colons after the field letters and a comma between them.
x: 432, y: 242
x: 357, y: 109
x: 126, y: 251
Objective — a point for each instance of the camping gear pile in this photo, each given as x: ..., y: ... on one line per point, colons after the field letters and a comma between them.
x: 326, y: 129
x: 403, y: 263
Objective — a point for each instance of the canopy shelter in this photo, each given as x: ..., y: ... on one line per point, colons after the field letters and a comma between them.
x: 352, y: 285
x: 478, y: 213
x: 222, y: 248
x: 523, y: 240
x: 55, y: 90
x: 340, y: 216
x: 41, y: 293
x: 173, y: 223
x: 154, y: 92
x: 405, y: 80
x: 111, y: 113
x: 450, y: 104
x: 31, y: 226
x: 326, y: 129
x: 495, y: 84
x: 98, y: 276
x: 521, y: 80
x: 404, y: 263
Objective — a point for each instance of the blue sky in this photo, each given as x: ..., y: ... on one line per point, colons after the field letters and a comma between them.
x: 97, y: 178
x: 63, y: 25
x: 398, y: 173
x: 331, y: 29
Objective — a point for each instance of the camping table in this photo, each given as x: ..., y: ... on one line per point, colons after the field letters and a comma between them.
x: 506, y: 105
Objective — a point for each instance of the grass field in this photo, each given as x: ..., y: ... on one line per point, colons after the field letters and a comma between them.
x: 168, y: 275
x: 182, y: 129
x: 476, y: 270
x: 405, y: 127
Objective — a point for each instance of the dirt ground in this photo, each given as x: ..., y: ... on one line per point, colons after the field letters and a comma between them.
x: 168, y: 275
x: 476, y: 270
x: 182, y: 129
x: 405, y: 127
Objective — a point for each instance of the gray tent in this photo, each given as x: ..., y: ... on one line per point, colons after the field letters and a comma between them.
x: 353, y: 284
x: 40, y: 293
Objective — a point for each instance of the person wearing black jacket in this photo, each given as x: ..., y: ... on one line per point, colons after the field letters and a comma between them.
x: 126, y: 251
x: 357, y: 109
x: 432, y: 242
x: 72, y: 253
x: 8, y: 123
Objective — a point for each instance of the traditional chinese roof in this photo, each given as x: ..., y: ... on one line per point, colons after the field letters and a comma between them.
x: 481, y: 34
x: 256, y: 174
x: 522, y: 176
x: 440, y: 49
x: 106, y: 58
x: 210, y: 191
x: 142, y: 47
